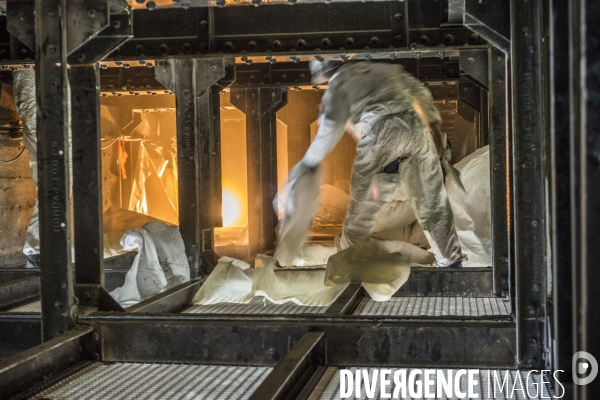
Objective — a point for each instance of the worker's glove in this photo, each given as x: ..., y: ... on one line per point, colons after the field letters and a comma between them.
x: 445, y: 154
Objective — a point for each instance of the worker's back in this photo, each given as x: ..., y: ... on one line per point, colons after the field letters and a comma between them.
x: 374, y: 89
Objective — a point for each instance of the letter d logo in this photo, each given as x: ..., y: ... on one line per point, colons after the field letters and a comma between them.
x: 584, y: 364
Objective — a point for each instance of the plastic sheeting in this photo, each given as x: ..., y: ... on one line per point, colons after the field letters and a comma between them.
x: 382, y: 267
x: 154, y: 190
x: 160, y: 264
x: 472, y: 209
x: 300, y: 200
x: 24, y: 95
x: 233, y: 281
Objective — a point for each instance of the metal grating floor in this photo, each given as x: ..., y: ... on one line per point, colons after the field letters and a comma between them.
x: 258, y: 305
x: 33, y: 307
x: 435, y: 307
x: 157, y: 381
x: 328, y: 387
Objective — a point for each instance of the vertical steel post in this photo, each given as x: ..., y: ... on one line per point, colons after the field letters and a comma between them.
x: 499, y: 168
x: 87, y: 174
x: 260, y: 104
x: 217, y: 190
x: 58, y: 307
x: 585, y: 177
x: 208, y: 73
x: 192, y: 81
x: 178, y: 76
x: 529, y: 155
x: 561, y: 184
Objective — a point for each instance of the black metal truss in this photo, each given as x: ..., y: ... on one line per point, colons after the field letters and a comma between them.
x: 277, y: 29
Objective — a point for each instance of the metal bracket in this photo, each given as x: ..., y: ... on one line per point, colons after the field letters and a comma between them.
x: 475, y: 64
x: 470, y: 94
x: 94, y: 298
x: 95, y: 28
x: 489, y: 20
x: 20, y: 21
x: 105, y: 26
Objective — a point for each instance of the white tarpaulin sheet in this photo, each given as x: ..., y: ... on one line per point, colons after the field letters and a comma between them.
x: 382, y: 267
x: 233, y: 281
x: 472, y: 209
x: 160, y: 264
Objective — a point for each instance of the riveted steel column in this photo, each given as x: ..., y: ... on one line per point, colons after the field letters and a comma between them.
x: 58, y: 308
x: 209, y: 71
x: 260, y: 104
x: 529, y: 141
x: 178, y: 76
x: 499, y: 168
x: 192, y: 81
x: 87, y: 173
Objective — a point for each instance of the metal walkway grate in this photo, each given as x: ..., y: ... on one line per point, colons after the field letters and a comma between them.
x: 33, y: 307
x: 435, y: 307
x: 328, y: 387
x: 258, y: 305
x: 157, y: 381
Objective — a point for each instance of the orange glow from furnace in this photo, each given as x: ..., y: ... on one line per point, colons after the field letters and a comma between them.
x: 231, y: 208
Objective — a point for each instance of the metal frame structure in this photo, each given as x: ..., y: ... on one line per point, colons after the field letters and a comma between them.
x: 494, y: 54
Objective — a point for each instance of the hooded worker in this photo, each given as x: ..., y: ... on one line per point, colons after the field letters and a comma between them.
x: 399, y: 141
x: 24, y: 95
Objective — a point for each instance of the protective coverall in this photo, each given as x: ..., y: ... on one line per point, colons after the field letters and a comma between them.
x: 380, y: 100
x: 24, y: 95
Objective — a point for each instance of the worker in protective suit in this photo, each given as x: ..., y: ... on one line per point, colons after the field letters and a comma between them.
x: 399, y: 141
x: 24, y: 95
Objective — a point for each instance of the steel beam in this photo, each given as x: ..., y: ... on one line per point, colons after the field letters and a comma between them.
x: 58, y: 307
x: 18, y: 292
x: 469, y: 282
x: 490, y: 19
x: 87, y: 174
x: 347, y: 300
x: 585, y: 174
x: 169, y: 301
x: 192, y: 81
x: 260, y: 104
x: 529, y: 141
x: 562, y: 229
x: 31, y: 366
x: 475, y: 64
x: 499, y: 141
x: 290, y: 369
x: 264, y: 340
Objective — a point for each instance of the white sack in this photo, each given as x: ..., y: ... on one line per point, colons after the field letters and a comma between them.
x: 333, y: 203
x: 160, y: 264
x: 300, y: 199
x: 229, y: 282
x: 472, y: 209
x: 232, y: 281
x: 382, y: 267
x: 313, y: 255
x: 304, y: 287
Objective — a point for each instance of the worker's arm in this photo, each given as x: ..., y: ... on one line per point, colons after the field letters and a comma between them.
x: 425, y: 107
x: 335, y: 114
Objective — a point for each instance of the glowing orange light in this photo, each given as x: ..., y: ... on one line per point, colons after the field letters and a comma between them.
x: 231, y: 208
